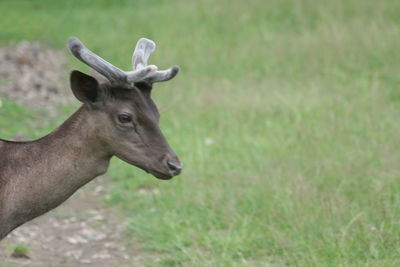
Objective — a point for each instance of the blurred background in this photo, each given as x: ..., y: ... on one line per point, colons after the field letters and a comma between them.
x: 285, y: 115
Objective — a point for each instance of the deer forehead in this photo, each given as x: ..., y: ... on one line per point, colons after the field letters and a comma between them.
x: 133, y: 100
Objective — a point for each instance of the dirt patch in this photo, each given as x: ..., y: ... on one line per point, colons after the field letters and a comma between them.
x: 81, y: 232
x: 33, y: 75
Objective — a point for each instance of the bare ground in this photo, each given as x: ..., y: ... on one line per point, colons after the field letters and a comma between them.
x: 82, y: 231
x: 34, y: 76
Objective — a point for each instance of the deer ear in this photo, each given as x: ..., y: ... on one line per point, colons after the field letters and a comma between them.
x: 84, y: 87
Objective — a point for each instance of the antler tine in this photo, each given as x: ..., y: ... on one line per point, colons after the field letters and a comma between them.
x: 163, y: 75
x: 111, y: 72
x: 144, y: 47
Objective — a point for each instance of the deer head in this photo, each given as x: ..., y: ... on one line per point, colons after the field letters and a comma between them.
x: 125, y: 117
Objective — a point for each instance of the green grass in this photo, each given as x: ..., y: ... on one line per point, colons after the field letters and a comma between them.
x: 302, y: 102
x: 21, y: 250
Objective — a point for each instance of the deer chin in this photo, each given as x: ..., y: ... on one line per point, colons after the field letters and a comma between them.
x: 158, y: 174
x: 161, y: 176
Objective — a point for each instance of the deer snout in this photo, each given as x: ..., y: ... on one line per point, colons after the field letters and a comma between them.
x: 174, y: 166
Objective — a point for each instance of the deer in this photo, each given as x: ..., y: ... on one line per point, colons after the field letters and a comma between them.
x: 117, y: 117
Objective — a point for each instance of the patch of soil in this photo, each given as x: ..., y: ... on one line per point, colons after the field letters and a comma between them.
x: 34, y: 76
x: 81, y: 232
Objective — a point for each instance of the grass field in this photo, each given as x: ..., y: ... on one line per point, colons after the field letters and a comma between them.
x: 285, y: 115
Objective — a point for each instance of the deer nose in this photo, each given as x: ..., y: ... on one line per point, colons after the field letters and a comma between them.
x: 174, y: 168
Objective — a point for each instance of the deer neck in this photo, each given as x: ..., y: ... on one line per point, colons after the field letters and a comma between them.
x: 47, y: 171
x: 75, y: 145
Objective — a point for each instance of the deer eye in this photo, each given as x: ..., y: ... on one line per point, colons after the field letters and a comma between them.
x: 124, y: 118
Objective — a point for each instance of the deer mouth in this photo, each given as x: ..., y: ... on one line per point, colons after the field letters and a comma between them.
x: 160, y: 175
x: 157, y: 174
x: 167, y: 175
x: 174, y: 168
